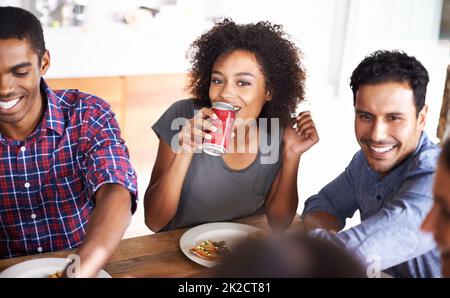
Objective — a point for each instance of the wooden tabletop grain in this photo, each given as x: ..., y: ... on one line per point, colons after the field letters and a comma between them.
x: 155, y: 255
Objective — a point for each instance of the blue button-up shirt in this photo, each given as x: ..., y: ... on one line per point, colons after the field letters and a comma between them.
x: 392, y: 209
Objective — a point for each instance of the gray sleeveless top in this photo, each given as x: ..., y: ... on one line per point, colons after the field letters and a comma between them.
x: 211, y: 190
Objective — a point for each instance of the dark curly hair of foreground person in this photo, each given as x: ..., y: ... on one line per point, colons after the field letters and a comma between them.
x: 288, y: 256
x: 279, y: 58
x: 392, y: 66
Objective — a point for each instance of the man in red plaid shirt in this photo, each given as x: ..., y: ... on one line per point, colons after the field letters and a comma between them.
x: 65, y: 176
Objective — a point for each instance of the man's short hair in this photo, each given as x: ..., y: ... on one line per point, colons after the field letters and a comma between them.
x: 21, y: 24
x: 392, y: 66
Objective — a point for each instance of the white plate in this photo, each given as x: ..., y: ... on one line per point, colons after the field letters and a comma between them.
x: 230, y: 232
x: 40, y: 268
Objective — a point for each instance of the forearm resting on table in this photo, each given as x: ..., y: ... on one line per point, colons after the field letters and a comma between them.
x: 322, y: 220
x: 108, y: 222
x: 162, y: 197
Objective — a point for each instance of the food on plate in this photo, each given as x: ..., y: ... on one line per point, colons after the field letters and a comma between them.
x: 210, y: 250
x: 57, y: 274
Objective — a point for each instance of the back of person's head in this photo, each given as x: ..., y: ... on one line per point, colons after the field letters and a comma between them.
x: 18, y: 23
x: 392, y: 66
x: 278, y: 57
x: 292, y: 256
x: 437, y: 221
x: 444, y: 157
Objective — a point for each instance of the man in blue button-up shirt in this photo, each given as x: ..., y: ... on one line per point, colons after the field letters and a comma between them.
x: 390, y: 179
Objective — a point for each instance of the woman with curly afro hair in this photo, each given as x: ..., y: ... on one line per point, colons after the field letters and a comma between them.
x: 255, y: 68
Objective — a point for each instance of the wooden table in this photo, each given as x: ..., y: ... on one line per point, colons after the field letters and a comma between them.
x: 156, y: 255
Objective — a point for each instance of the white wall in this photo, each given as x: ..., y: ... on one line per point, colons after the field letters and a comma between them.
x: 314, y: 25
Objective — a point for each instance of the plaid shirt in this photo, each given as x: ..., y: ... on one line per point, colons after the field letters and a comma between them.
x: 48, y: 181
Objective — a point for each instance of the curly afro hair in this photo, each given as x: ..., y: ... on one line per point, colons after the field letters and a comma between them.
x: 278, y: 57
x: 392, y: 66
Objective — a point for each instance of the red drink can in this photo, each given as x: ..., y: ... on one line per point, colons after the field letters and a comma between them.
x: 220, y: 138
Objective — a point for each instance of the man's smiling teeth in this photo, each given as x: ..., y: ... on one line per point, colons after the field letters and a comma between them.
x: 9, y: 104
x: 382, y: 149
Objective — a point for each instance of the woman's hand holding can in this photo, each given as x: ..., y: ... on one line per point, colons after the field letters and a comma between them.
x: 196, y: 130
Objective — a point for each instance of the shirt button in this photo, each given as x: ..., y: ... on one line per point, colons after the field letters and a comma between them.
x: 23, y: 148
x: 39, y: 249
x: 27, y: 185
x: 33, y: 216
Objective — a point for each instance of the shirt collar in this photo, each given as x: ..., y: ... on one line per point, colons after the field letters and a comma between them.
x: 53, y: 117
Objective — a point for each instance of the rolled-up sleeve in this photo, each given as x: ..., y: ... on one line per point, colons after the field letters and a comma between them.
x: 337, y: 198
x: 107, y: 157
x: 393, y: 235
